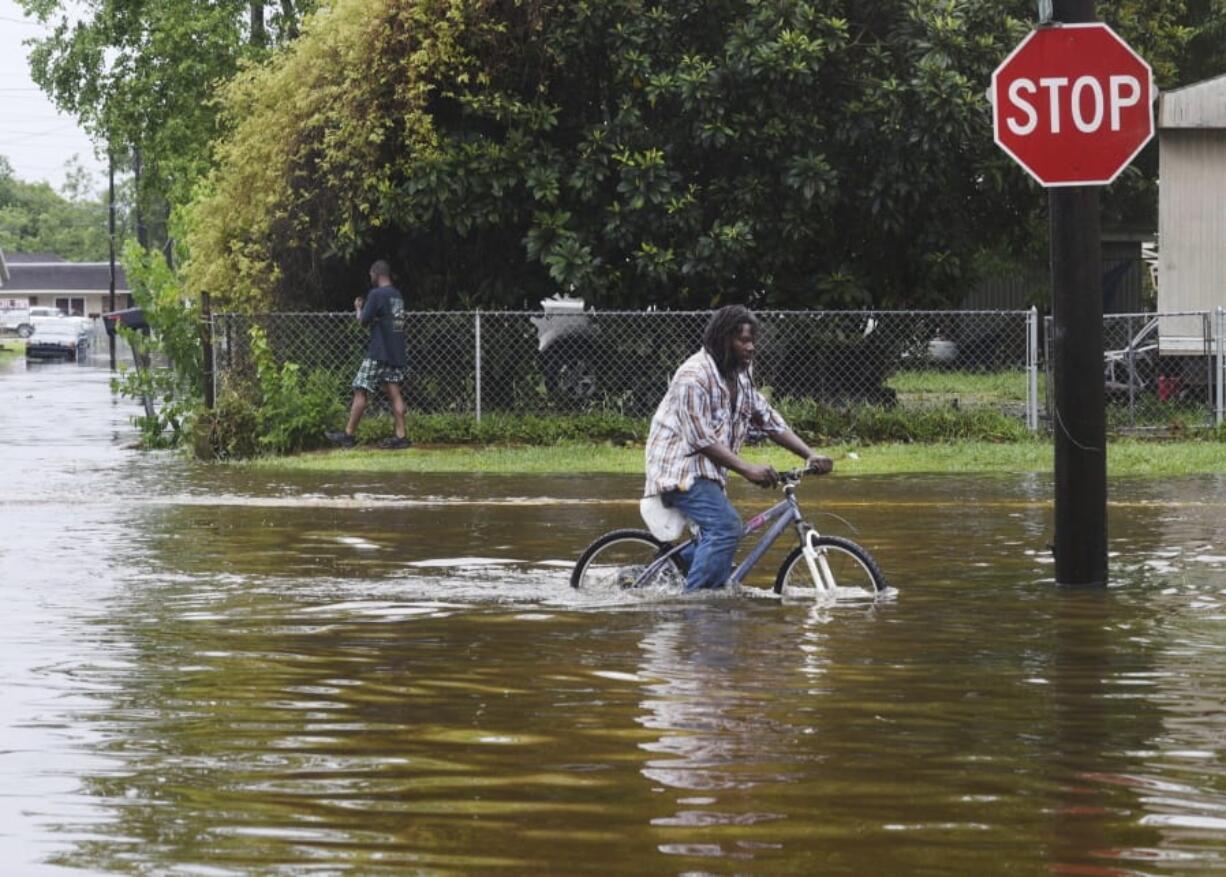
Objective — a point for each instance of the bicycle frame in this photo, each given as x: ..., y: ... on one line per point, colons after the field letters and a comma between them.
x: 785, y: 513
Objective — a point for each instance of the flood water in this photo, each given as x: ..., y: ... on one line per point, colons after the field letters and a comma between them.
x: 210, y: 671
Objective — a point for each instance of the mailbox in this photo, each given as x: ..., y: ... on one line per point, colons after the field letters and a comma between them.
x: 133, y: 318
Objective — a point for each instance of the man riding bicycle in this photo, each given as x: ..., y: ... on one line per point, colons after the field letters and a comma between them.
x: 697, y: 433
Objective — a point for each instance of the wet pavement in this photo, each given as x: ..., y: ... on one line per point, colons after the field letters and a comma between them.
x: 208, y: 670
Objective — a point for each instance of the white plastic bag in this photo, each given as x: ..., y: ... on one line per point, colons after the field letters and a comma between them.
x: 664, y: 523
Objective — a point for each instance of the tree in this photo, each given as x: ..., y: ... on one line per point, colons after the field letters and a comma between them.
x: 139, y: 75
x: 1206, y: 50
x: 34, y: 218
x: 781, y: 152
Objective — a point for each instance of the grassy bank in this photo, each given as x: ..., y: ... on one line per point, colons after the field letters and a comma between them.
x: 968, y: 387
x: 12, y: 348
x: 1126, y: 458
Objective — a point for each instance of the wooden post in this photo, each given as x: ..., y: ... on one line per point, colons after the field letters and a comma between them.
x: 111, y: 232
x: 1079, y: 417
x: 206, y: 348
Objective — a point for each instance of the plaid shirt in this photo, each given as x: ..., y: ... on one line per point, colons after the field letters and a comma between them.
x: 694, y: 414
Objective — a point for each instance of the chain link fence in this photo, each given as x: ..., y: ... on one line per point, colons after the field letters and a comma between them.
x: 1160, y: 370
x: 564, y: 362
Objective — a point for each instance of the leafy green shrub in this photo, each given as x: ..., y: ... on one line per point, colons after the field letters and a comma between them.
x: 279, y: 411
x: 527, y: 429
x: 229, y: 431
x: 871, y: 423
x: 294, y: 410
x: 818, y: 423
x: 171, y: 391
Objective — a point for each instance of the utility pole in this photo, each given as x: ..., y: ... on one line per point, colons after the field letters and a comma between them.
x: 1079, y: 417
x: 142, y: 233
x: 111, y: 232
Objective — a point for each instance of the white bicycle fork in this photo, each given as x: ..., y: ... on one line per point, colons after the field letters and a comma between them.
x: 819, y: 568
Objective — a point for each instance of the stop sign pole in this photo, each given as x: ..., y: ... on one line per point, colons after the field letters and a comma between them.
x: 1076, y: 349
x: 1073, y: 105
x: 1079, y: 417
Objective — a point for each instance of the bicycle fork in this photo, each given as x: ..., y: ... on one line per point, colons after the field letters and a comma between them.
x: 815, y: 560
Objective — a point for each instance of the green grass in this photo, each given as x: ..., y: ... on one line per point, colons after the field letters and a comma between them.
x: 1126, y: 458
x: 968, y: 387
x: 12, y: 348
x: 499, y: 459
x: 1151, y: 413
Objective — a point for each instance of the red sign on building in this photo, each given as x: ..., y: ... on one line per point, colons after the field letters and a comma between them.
x: 1073, y: 104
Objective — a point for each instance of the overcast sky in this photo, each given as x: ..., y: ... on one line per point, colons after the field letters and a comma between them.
x: 35, y: 139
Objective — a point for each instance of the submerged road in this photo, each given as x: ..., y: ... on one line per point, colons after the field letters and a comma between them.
x: 206, y: 670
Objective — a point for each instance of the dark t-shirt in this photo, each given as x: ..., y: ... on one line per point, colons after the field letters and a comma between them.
x: 384, y: 313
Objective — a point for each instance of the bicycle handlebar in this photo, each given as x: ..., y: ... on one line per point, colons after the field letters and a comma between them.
x: 792, y: 476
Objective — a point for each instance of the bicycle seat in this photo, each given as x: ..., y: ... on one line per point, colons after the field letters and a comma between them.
x: 664, y: 523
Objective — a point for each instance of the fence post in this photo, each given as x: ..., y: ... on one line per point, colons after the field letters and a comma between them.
x: 1032, y: 369
x: 477, y: 358
x: 206, y: 349
x: 1132, y: 374
x: 1221, y: 364
x: 213, y: 323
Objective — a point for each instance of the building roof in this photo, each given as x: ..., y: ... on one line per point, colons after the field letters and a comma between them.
x: 1200, y: 105
x: 25, y: 258
x: 54, y: 274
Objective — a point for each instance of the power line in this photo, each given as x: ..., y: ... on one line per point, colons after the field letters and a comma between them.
x: 92, y: 171
x: 29, y: 131
x: 29, y: 105
x: 84, y: 207
x: 24, y: 21
x: 47, y: 133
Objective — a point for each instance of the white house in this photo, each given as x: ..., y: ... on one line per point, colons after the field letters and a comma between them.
x: 80, y: 289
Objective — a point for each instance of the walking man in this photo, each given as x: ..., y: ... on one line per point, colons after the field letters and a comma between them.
x: 385, y: 364
x: 696, y: 436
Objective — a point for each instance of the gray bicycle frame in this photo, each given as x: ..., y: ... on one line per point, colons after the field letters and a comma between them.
x: 786, y: 510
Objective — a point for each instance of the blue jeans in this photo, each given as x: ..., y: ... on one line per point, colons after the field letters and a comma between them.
x: 710, y: 561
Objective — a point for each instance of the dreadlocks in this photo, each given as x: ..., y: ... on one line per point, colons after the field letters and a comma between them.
x: 717, y: 337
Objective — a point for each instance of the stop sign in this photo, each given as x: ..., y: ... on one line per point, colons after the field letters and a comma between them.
x: 1073, y: 104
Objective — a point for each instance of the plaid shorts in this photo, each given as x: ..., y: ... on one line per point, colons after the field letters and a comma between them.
x: 373, y: 374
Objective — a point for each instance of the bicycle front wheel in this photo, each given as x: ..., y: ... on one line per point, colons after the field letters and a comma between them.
x: 851, y: 569
x: 616, y: 560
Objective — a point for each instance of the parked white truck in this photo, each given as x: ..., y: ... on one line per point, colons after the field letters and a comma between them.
x: 15, y: 316
x: 18, y: 315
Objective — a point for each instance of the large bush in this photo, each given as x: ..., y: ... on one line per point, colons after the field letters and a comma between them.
x: 786, y: 153
x: 281, y: 409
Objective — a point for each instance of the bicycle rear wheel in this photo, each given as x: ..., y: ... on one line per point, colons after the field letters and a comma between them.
x: 616, y: 560
x: 853, y: 570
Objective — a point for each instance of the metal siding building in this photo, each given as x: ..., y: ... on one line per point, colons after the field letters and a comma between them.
x: 1191, y: 208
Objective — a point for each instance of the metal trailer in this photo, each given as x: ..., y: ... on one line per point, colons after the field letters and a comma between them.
x: 1192, y: 233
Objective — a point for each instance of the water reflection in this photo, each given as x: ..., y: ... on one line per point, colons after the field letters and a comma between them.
x: 720, y: 738
x: 1098, y: 716
x: 210, y: 670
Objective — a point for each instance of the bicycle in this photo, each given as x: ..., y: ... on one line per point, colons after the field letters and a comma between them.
x: 827, y: 565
